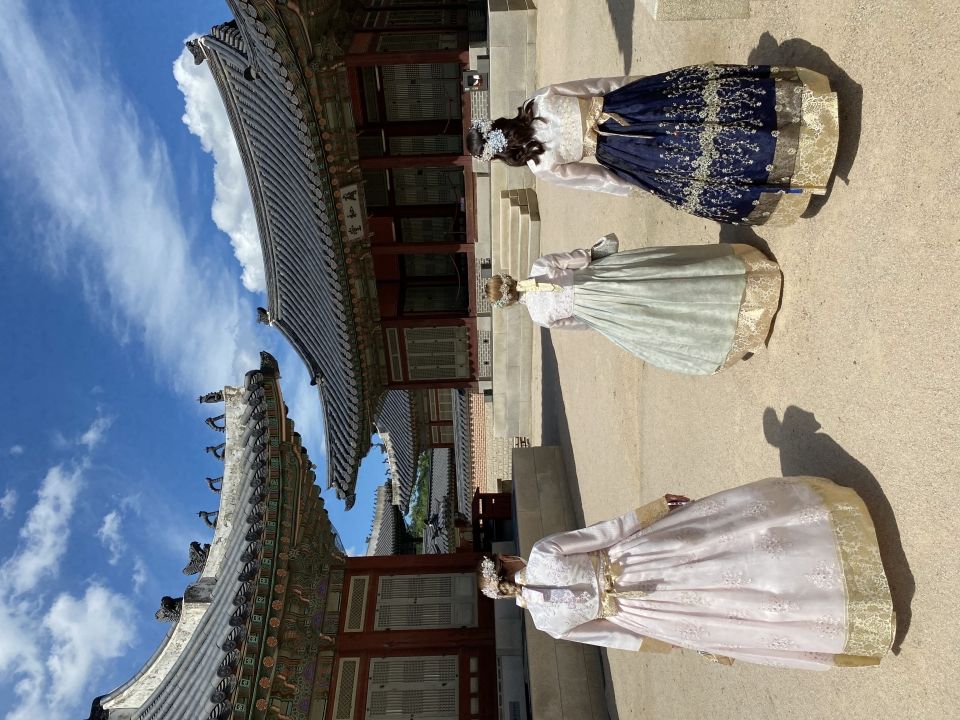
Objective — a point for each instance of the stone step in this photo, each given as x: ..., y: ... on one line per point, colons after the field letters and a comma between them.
x: 697, y: 9
x: 482, y: 184
x: 513, y: 334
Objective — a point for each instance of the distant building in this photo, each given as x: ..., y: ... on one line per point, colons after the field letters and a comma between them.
x: 389, y: 534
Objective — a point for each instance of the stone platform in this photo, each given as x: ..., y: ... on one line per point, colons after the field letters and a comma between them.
x: 565, y: 678
x: 697, y: 9
x: 515, y: 246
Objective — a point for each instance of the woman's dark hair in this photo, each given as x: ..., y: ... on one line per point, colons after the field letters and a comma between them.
x: 522, y: 144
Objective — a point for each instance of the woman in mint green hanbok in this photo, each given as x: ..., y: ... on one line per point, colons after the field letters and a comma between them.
x: 693, y: 309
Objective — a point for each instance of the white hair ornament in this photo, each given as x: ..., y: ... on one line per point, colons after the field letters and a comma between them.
x: 488, y: 571
x: 507, y: 296
x: 494, y: 141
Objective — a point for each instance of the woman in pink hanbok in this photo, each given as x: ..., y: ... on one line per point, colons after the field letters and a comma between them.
x: 783, y: 572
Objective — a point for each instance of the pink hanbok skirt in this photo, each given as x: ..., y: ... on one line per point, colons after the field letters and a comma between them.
x: 783, y: 572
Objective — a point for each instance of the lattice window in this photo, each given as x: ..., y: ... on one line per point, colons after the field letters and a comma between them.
x: 442, y: 434
x: 430, y: 265
x: 346, y: 689
x: 433, y: 299
x: 426, y: 601
x: 422, y: 91
x: 406, y: 42
x: 437, y: 353
x: 428, y: 185
x: 393, y: 349
x: 483, y: 273
x: 425, y: 144
x: 485, y: 353
x: 356, y: 604
x: 418, y: 688
x: 445, y: 401
x: 428, y: 229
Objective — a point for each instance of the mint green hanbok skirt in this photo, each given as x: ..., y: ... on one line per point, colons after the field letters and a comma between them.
x: 693, y: 309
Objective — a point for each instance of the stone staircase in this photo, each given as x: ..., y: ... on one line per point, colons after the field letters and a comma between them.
x: 697, y: 9
x: 515, y: 246
x: 508, y: 220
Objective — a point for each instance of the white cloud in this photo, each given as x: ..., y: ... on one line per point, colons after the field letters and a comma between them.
x: 100, y: 181
x: 109, y: 534
x: 139, y: 575
x: 43, y: 538
x: 232, y: 209
x: 21, y: 659
x: 85, y: 632
x: 306, y: 408
x: 8, y: 503
x: 56, y: 657
x: 16, y: 450
x: 94, y: 434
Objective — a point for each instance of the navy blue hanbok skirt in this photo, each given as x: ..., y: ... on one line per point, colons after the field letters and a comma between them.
x: 743, y: 144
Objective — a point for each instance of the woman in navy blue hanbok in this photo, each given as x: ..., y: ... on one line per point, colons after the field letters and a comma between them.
x: 744, y: 144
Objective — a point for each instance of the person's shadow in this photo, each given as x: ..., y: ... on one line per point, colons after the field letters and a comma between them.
x: 621, y: 13
x: 800, y: 53
x: 805, y: 450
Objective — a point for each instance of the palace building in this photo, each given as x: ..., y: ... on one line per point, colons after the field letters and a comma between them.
x: 349, y: 118
x: 280, y: 624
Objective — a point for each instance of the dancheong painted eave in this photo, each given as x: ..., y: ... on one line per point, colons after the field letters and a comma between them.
x: 311, y: 299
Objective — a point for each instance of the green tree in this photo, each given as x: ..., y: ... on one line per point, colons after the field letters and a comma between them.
x: 420, y: 502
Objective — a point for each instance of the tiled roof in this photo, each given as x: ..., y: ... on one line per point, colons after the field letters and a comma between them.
x: 437, y: 529
x: 307, y: 289
x: 188, y: 668
x: 396, y: 426
x: 463, y: 451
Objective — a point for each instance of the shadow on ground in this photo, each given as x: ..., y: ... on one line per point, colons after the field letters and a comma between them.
x: 745, y: 235
x: 621, y: 13
x: 555, y: 428
x: 556, y: 431
x: 805, y: 450
x: 800, y: 53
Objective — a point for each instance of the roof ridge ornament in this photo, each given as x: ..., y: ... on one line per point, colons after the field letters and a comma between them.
x: 196, y: 49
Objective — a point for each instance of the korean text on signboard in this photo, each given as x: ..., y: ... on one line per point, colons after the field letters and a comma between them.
x: 352, y: 212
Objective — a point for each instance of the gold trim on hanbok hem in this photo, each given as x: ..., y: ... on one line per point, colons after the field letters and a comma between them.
x: 870, y: 620
x: 714, y: 658
x: 652, y: 645
x: 808, y: 133
x: 758, y: 306
x: 648, y: 514
x: 819, y: 134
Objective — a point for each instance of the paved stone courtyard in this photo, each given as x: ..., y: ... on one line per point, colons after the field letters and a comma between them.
x: 860, y: 382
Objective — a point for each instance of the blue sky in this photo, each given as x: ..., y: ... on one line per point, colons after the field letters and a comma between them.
x: 129, y: 283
